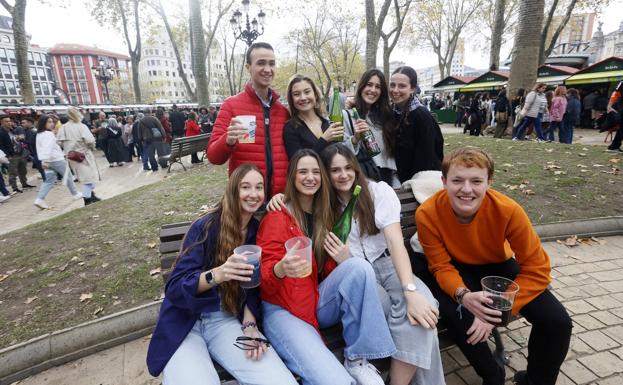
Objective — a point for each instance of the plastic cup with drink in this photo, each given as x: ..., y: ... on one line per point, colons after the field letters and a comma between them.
x: 249, y: 122
x: 253, y: 254
x: 502, y: 291
x: 301, y: 246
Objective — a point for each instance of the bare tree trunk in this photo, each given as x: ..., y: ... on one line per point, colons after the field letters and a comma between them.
x: 198, y: 52
x: 527, y: 43
x: 135, y: 54
x: 395, y: 32
x: 496, y: 35
x: 545, y: 52
x: 180, y: 66
x: 374, y: 27
x: 18, y: 13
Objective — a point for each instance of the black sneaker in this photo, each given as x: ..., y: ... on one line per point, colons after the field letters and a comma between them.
x: 28, y: 186
x: 16, y: 190
x: 614, y: 150
x: 521, y: 378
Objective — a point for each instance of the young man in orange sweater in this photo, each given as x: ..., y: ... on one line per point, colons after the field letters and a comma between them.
x: 469, y: 231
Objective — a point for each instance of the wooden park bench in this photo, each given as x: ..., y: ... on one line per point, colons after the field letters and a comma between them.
x: 181, y: 147
x: 171, y: 236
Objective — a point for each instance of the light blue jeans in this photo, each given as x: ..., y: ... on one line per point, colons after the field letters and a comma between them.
x: 349, y: 294
x: 212, y: 338
x: 59, y: 166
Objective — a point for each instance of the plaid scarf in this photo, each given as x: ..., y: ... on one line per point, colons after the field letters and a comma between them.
x: 411, y: 105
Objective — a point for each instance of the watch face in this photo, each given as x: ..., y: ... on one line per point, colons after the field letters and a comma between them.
x: 209, y: 277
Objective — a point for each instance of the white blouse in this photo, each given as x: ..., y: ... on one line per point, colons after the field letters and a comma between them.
x: 47, y: 148
x: 386, y: 212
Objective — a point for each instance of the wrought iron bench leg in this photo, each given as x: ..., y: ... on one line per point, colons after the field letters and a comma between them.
x: 499, y: 354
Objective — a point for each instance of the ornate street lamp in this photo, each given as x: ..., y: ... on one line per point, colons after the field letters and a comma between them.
x: 251, y: 29
x: 104, y: 73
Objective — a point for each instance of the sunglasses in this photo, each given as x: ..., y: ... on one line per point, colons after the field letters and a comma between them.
x: 250, y: 343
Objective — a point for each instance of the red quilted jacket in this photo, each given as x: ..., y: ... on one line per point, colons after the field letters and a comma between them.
x: 297, y: 295
x: 270, y: 157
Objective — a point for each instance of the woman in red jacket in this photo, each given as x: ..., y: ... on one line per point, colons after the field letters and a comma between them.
x: 193, y: 129
x: 339, y: 288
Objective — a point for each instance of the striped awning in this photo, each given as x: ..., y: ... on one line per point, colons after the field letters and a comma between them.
x: 484, y: 86
x: 596, y: 77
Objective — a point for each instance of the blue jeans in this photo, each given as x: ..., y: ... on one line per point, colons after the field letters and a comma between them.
x: 3, y: 189
x: 459, y: 118
x: 350, y: 295
x: 60, y: 166
x: 212, y: 338
x: 566, y: 131
x: 526, y: 122
x: 149, y: 149
x: 143, y: 152
x: 551, y: 130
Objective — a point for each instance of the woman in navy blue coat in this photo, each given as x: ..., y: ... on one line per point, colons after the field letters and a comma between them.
x: 205, y: 311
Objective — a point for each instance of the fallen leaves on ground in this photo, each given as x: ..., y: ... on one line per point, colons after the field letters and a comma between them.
x: 151, y: 245
x: 30, y: 299
x: 155, y: 271
x: 551, y: 166
x: 98, y: 310
x: 575, y: 241
x: 614, y: 160
x: 85, y: 296
x: 169, y: 212
x: 3, y: 277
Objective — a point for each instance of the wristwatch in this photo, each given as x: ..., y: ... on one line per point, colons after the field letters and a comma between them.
x: 210, y: 278
x: 409, y: 287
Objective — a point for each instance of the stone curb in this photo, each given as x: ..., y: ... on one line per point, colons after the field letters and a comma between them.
x: 41, y: 353
x: 53, y: 349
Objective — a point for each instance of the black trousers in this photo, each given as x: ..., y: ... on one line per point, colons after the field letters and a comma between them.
x: 618, y: 136
x: 549, y: 337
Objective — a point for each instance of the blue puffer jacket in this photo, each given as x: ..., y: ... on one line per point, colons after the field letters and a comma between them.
x: 574, y: 107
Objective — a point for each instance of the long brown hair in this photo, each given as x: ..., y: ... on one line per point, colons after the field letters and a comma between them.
x: 318, y: 107
x: 228, y: 216
x: 321, y: 206
x: 364, y: 209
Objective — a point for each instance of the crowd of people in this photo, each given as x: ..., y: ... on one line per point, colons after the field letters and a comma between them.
x: 52, y: 143
x: 306, y: 168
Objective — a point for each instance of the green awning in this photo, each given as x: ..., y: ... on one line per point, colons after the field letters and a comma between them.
x: 552, y: 80
x: 452, y: 87
x: 596, y: 77
x: 484, y: 86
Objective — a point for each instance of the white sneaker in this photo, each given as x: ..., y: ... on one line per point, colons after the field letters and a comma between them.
x: 41, y: 204
x: 363, y: 372
x: 4, y: 197
x: 77, y: 196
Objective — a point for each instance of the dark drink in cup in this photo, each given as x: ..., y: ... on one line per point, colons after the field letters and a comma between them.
x: 253, y: 254
x: 503, y: 305
x: 502, y: 292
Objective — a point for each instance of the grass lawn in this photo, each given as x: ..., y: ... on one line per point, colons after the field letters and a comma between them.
x: 99, y: 260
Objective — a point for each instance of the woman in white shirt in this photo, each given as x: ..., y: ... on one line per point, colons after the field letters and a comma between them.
x: 410, y: 308
x: 53, y: 160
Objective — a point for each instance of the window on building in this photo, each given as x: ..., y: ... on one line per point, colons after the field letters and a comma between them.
x: 45, y: 89
x: 37, y: 88
x: 158, y: 61
x: 71, y: 87
x: 3, y: 57
x: 65, y: 60
x: 31, y: 59
x: 6, y: 71
x: 11, y: 88
x: 49, y: 72
x: 41, y: 73
x: 11, y: 55
x: 156, y: 52
x: 74, y: 99
x: 5, y: 39
x: 78, y: 61
x: 83, y: 87
x: 170, y: 93
x: 2, y: 88
x: 41, y: 59
x: 80, y: 73
x: 86, y: 99
x: 176, y: 93
x: 69, y: 75
x: 173, y: 73
x: 167, y: 73
x: 14, y: 70
x: 33, y: 75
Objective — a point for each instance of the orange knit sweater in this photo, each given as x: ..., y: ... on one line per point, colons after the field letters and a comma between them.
x: 499, y: 229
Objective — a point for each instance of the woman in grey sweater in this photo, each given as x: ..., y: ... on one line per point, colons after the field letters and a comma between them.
x: 533, y: 110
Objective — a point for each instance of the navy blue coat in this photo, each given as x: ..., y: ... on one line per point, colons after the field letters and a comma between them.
x: 182, y: 306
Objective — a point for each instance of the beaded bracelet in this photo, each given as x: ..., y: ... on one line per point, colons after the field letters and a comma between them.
x: 248, y: 325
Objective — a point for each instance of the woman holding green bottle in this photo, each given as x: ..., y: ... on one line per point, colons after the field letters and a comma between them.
x: 376, y: 236
x: 339, y: 289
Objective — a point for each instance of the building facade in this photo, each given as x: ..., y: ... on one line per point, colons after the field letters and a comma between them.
x: 40, y: 69
x: 160, y: 78
x: 73, y: 66
x: 605, y: 46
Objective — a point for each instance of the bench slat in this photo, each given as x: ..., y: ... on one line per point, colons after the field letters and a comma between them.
x: 170, y: 246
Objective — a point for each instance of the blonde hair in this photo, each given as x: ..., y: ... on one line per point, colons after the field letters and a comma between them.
x: 74, y: 115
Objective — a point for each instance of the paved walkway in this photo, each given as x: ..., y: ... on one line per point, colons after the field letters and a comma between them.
x: 116, y: 180
x: 588, y: 279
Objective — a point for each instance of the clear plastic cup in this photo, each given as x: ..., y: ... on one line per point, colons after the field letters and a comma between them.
x: 502, y: 291
x: 301, y: 246
x: 253, y: 254
x: 249, y: 122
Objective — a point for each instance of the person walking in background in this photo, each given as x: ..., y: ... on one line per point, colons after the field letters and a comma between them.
x: 151, y: 135
x: 533, y: 110
x: 557, y: 111
x: 30, y: 134
x: 549, y: 96
x: 571, y: 118
x: 99, y: 131
x: 418, y: 142
x: 14, y: 146
x: 178, y: 121
x: 4, y: 193
x: 128, y: 139
x: 53, y: 161
x: 587, y: 105
x: 474, y: 118
x: 165, y: 147
x: 501, y: 110
x: 75, y: 137
x: 115, y: 153
x: 204, y: 120
x: 615, y: 104
x: 459, y: 109
x: 193, y: 129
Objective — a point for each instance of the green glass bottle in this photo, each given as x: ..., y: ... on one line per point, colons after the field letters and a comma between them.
x: 335, y: 115
x: 368, y: 141
x: 341, y: 228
